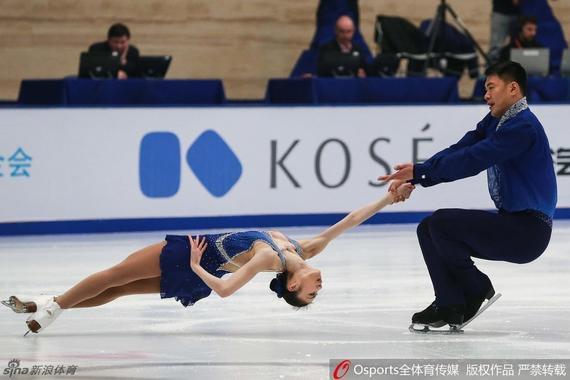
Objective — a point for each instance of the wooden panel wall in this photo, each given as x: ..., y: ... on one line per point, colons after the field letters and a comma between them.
x: 244, y: 42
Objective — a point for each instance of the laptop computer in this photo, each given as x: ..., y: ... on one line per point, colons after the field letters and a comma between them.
x: 534, y: 60
x: 154, y: 66
x: 337, y: 64
x: 565, y: 63
x: 98, y: 65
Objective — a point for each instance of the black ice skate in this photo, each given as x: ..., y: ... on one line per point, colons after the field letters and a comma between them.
x: 491, y: 298
x: 434, y: 317
x: 473, y: 304
x: 418, y: 326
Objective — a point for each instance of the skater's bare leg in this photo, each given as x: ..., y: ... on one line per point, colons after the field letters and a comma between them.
x: 142, y: 264
x: 146, y: 286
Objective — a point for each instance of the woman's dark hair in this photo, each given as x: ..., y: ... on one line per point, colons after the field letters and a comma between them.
x: 509, y: 72
x: 118, y: 30
x: 279, y: 286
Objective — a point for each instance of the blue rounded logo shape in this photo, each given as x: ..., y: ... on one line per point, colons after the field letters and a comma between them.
x: 214, y: 163
x: 159, y: 165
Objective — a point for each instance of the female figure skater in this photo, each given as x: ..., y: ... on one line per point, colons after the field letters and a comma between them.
x: 190, y: 267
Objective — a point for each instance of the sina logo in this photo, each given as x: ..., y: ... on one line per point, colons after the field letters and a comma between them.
x: 14, y: 369
x: 209, y: 157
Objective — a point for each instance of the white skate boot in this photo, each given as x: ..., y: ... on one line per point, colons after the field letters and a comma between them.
x: 43, y: 317
x: 25, y: 304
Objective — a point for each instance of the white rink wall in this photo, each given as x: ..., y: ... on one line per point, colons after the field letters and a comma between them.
x: 136, y: 164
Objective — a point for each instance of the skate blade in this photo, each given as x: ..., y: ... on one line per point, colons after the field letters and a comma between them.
x: 7, y: 303
x: 482, y: 309
x: 425, y: 329
x: 18, y: 306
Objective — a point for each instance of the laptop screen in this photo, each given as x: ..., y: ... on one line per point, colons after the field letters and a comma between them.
x: 154, y: 66
x: 534, y: 60
x: 339, y: 64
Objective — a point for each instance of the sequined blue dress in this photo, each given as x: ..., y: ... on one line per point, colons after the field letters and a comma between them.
x: 179, y: 281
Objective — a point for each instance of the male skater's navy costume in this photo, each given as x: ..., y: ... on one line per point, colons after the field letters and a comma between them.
x: 522, y: 184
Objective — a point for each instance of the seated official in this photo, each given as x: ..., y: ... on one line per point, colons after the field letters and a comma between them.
x: 118, y: 42
x: 526, y: 38
x: 342, y: 57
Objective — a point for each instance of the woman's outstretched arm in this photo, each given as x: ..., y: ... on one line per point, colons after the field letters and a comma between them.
x: 261, y: 261
x: 314, y: 246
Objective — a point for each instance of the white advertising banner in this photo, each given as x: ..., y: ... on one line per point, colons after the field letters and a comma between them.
x: 122, y: 163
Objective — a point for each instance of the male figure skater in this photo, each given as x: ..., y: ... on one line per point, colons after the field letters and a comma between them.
x: 510, y: 143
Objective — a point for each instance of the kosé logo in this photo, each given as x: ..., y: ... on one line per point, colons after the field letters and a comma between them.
x: 210, y: 158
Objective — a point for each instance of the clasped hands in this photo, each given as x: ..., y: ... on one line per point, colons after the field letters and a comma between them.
x: 399, y: 185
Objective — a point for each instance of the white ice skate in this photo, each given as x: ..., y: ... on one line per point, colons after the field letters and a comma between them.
x: 26, y: 304
x: 43, y: 317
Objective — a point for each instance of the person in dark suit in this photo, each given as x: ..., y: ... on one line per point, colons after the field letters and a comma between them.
x: 118, y: 42
x: 342, y: 44
x: 526, y: 38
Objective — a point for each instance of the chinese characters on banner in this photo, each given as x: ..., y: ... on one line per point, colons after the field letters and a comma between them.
x: 17, y: 164
x: 561, y: 159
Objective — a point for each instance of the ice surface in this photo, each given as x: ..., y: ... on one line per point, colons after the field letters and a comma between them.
x: 374, y: 279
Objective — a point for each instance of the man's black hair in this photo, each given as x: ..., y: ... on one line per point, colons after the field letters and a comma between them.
x: 509, y: 71
x: 523, y: 20
x: 118, y: 30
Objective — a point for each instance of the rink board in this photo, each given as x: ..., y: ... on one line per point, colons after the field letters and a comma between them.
x: 107, y: 169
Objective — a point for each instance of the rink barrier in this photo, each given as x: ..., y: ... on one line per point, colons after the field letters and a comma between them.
x: 78, y: 170
x: 202, y: 223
